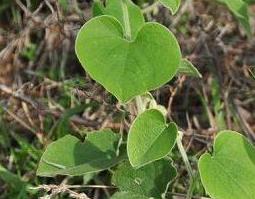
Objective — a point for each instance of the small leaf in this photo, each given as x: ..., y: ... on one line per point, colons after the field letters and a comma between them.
x: 127, y: 68
x: 128, y: 195
x: 229, y: 172
x: 113, y: 8
x: 240, y: 9
x: 97, y: 8
x: 150, y: 138
x: 151, y: 180
x: 172, y: 5
x: 187, y: 68
x: 70, y: 156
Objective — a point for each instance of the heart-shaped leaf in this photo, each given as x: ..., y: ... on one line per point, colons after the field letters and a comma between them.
x: 240, y: 9
x: 150, y: 138
x: 128, y: 195
x: 127, y: 68
x: 229, y: 172
x: 151, y: 180
x: 114, y: 8
x: 172, y: 5
x: 70, y: 156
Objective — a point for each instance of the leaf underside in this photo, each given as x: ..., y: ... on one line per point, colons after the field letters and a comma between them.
x: 70, y: 156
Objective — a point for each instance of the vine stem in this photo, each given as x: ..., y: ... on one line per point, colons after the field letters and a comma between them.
x: 141, y: 107
x: 139, y: 104
x: 186, y: 162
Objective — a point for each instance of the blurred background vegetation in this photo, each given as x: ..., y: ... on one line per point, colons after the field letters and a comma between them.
x: 45, y: 94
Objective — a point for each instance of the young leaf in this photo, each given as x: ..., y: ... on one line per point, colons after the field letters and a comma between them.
x: 97, y: 8
x: 136, y: 18
x: 151, y: 180
x: 150, y: 138
x: 128, y: 195
x: 187, y: 68
x: 229, y: 172
x: 172, y: 5
x: 127, y: 68
x: 240, y: 9
x: 114, y: 8
x: 70, y: 156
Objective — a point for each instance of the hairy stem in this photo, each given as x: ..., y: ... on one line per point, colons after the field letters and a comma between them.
x: 186, y: 162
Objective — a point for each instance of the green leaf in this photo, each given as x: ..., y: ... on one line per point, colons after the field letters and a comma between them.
x: 249, y: 1
x: 114, y: 8
x: 128, y: 195
x: 240, y: 9
x: 127, y: 68
x: 97, y: 8
x: 150, y: 138
x: 187, y: 68
x: 151, y: 180
x: 172, y: 5
x: 70, y: 156
x: 229, y: 172
x: 10, y: 178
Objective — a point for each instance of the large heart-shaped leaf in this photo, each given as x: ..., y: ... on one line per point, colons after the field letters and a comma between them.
x: 127, y: 68
x: 70, y: 156
x: 150, y: 138
x: 114, y: 8
x: 229, y: 172
x: 240, y: 9
x: 151, y: 180
x: 172, y: 5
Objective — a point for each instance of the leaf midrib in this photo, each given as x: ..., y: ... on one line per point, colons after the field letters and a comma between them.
x: 154, y: 140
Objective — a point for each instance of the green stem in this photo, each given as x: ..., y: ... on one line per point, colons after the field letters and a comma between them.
x: 186, y: 162
x: 126, y: 19
x: 139, y: 104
